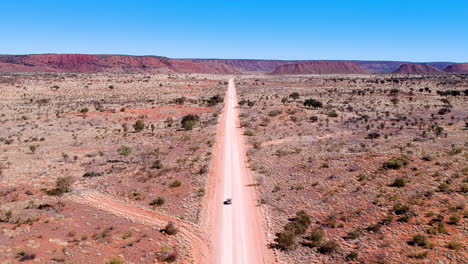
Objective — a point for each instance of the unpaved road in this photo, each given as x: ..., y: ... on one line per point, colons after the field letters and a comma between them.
x: 237, y: 229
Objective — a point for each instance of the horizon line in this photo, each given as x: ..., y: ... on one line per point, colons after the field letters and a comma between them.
x: 255, y: 59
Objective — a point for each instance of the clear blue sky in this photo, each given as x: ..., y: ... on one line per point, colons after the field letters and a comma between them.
x: 414, y: 30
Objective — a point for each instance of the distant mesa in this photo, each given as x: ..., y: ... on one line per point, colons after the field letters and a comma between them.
x: 85, y: 63
x: 80, y: 63
x: 417, y: 69
x: 457, y: 68
x: 320, y: 67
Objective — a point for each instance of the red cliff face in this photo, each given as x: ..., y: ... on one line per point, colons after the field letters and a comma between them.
x: 417, y: 69
x: 320, y: 67
x: 106, y: 63
x: 457, y: 68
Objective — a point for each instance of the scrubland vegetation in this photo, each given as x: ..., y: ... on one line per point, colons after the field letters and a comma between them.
x: 375, y: 166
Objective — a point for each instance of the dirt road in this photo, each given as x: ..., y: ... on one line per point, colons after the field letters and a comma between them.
x: 237, y: 229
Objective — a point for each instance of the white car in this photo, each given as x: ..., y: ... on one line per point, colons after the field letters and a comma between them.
x: 228, y: 201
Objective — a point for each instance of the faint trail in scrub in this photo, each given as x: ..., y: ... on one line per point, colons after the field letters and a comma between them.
x: 191, y: 233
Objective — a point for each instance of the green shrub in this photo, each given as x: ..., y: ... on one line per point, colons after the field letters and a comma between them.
x: 116, y: 261
x: 400, y: 209
x: 454, y: 245
x: 395, y: 163
x: 124, y: 150
x: 175, y: 184
x: 328, y: 247
x: 314, y: 239
x: 190, y: 121
x: 158, y: 201
x: 398, y: 182
x: 419, y: 240
x: 285, y: 240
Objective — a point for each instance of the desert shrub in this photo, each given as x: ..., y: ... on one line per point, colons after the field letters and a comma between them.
x: 170, y: 229
x: 64, y: 183
x: 139, y: 126
x: 426, y: 157
x: 332, y: 114
x: 92, y: 174
x: 285, y: 240
x: 25, y: 256
x: 275, y: 112
x: 454, y: 245
x: 175, y: 184
x: 454, y: 219
x: 418, y: 255
x: 84, y: 110
x: 158, y: 201
x: 443, y: 187
x: 395, y: 163
x: 116, y: 261
x: 352, y: 256
x: 353, y: 234
x: 443, y: 111
x: 419, y: 240
x: 189, y: 121
x: 439, y: 229
x: 374, y: 228
x: 180, y: 100
x: 156, y: 164
x: 312, y: 103
x: 294, y: 95
x: 214, y: 100
x: 298, y: 225
x: 249, y: 132
x: 328, y: 247
x: 398, y: 182
x: 314, y: 239
x: 373, y: 135
x: 168, y: 256
x: 313, y: 119
x: 400, y: 209
x: 124, y: 150
x: 33, y: 148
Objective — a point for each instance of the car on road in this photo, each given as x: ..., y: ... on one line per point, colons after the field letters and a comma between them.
x: 228, y: 201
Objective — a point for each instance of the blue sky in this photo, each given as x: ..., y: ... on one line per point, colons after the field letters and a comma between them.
x: 413, y: 30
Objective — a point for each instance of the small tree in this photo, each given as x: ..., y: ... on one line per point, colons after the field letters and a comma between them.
x: 313, y: 103
x: 190, y: 121
x: 64, y: 183
x: 294, y: 96
x: 33, y: 148
x: 139, y: 126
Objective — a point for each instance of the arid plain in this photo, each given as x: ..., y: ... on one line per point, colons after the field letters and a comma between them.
x: 115, y: 168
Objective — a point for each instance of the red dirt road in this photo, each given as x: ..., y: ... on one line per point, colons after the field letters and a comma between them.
x: 237, y: 229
